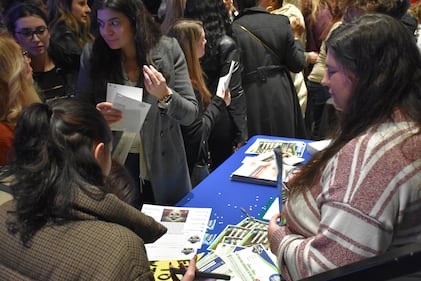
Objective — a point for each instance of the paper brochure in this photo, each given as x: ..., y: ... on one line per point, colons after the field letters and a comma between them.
x: 128, y: 100
x: 186, y: 229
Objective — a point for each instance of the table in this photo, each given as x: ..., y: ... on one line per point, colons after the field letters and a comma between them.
x: 226, y: 197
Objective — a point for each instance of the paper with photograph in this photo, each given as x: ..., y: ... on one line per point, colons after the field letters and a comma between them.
x: 186, y: 230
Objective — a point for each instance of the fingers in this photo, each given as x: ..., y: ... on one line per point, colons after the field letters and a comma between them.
x: 191, y: 270
x: 227, y: 98
x: 173, y: 275
x: 275, y: 218
x: 110, y: 114
x: 155, y: 82
x: 152, y: 76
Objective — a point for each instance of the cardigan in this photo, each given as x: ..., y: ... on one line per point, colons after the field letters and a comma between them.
x: 366, y: 202
x: 6, y: 139
x: 104, y: 241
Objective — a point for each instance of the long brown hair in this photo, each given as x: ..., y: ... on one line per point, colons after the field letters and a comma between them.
x: 384, y: 63
x: 188, y: 33
x: 61, y: 11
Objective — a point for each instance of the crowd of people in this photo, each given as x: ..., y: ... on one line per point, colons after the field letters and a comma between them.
x: 345, y: 70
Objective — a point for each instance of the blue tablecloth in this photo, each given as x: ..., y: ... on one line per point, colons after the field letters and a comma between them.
x: 226, y: 197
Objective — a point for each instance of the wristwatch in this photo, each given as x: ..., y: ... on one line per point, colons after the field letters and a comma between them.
x: 165, y: 101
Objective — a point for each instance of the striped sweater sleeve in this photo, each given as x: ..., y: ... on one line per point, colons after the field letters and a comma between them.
x: 370, y: 196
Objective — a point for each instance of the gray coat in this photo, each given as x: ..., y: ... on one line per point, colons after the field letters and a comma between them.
x: 161, y: 133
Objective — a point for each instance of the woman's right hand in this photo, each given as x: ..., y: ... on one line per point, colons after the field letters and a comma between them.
x: 225, y: 95
x: 273, y: 225
x: 190, y: 272
x: 110, y: 114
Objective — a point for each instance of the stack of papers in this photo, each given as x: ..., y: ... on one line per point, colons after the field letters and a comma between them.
x: 242, y: 252
x: 128, y: 100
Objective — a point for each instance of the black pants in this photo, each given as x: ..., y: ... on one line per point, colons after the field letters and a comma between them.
x: 145, y: 187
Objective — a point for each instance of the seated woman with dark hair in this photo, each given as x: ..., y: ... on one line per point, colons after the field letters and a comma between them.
x: 63, y: 224
x: 360, y: 197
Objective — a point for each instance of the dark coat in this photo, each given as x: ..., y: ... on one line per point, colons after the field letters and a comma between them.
x: 196, y: 135
x: 65, y: 39
x: 231, y: 128
x: 272, y: 103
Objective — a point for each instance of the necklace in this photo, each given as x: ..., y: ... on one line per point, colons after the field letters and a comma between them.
x: 132, y: 70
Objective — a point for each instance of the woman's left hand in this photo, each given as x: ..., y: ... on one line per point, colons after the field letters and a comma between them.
x: 155, y: 82
x: 273, y: 224
x: 110, y: 114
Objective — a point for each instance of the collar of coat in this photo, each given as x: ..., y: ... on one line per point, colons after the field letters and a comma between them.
x: 109, y: 208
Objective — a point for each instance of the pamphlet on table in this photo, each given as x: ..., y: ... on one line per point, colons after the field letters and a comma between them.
x: 186, y: 230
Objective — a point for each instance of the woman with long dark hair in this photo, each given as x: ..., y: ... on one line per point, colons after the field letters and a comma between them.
x: 62, y: 223
x: 131, y: 50
x: 360, y: 197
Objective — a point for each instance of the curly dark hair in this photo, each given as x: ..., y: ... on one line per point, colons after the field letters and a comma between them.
x: 215, y: 18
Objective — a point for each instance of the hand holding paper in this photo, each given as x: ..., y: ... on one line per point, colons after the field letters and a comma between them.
x: 110, y: 114
x: 224, y: 81
x: 127, y: 100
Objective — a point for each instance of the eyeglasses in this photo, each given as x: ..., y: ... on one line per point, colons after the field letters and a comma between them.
x: 25, y: 54
x: 29, y: 33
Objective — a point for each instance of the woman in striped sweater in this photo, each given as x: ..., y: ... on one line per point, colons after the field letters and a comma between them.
x: 361, y: 196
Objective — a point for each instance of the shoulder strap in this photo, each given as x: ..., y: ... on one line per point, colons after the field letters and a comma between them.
x: 258, y: 39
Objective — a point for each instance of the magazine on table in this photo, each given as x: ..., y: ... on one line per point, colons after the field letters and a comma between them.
x: 260, y: 167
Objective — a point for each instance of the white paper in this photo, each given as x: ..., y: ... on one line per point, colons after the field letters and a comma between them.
x: 224, y: 81
x: 254, y: 263
x: 186, y: 230
x: 317, y: 146
x: 128, y: 100
x: 273, y: 209
x: 135, y: 93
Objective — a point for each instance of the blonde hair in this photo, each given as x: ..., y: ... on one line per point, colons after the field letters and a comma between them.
x: 15, y: 90
x: 61, y: 11
x: 188, y: 33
